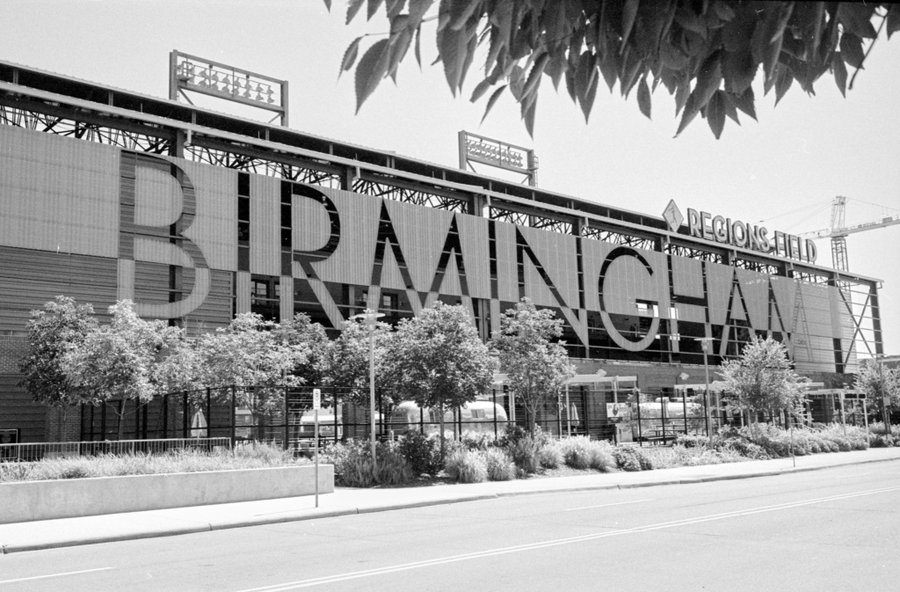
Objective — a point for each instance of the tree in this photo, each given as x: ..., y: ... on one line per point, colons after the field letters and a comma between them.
x: 878, y: 382
x: 117, y: 361
x: 536, y: 366
x: 762, y: 378
x: 253, y: 356
x: 438, y: 360
x: 61, y: 325
x: 301, y: 332
x: 346, y: 361
x: 705, y: 54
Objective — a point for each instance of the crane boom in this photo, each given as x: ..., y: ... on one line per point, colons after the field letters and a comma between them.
x: 839, y: 231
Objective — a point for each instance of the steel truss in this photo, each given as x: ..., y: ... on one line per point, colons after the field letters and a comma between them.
x: 619, y: 238
x: 758, y: 266
x: 411, y: 194
x: 84, y: 130
x: 262, y: 166
x: 692, y: 253
x: 811, y: 277
x: 529, y: 219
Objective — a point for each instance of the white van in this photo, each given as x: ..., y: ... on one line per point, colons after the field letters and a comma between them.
x: 477, y: 416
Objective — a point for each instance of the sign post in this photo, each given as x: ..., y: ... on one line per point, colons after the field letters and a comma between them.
x: 317, y: 404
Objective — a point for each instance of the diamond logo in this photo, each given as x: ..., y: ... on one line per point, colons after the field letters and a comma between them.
x: 672, y: 216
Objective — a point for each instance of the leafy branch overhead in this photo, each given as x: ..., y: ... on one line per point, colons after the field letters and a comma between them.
x: 706, y: 54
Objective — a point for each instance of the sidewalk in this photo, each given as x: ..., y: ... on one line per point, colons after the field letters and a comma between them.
x: 45, y: 534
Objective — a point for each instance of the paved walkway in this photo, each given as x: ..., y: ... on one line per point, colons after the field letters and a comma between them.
x: 44, y: 534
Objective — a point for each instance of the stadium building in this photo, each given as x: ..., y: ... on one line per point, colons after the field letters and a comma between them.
x: 195, y: 215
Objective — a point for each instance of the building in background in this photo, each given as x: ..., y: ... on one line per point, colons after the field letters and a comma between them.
x: 107, y: 194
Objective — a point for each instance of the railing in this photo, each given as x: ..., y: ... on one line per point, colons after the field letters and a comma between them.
x: 35, y: 451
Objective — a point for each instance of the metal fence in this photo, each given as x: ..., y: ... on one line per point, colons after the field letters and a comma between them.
x: 35, y: 451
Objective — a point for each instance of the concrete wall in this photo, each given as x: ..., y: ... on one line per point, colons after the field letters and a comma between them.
x: 44, y: 500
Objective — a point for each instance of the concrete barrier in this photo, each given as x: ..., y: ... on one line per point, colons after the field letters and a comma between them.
x: 66, y: 498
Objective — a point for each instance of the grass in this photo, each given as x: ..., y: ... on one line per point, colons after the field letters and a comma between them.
x: 182, y: 461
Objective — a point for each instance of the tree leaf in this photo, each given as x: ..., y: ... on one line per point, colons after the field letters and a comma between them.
x: 643, y: 97
x: 328, y: 5
x: 393, y: 8
x: 629, y: 12
x: 745, y: 102
x: 461, y: 11
x: 715, y: 113
x: 480, y: 89
x: 708, y: 79
x: 556, y: 67
x: 528, y: 112
x: 417, y: 49
x: 783, y: 81
x: 893, y: 20
x: 851, y: 50
x: 840, y: 73
x: 399, y: 45
x: 490, y: 104
x: 586, y: 83
x: 452, y: 45
x: 534, y: 77
x: 372, y: 8
x: 738, y: 70
x: 857, y: 18
x: 353, y: 7
x: 730, y: 109
x: 350, y: 55
x: 371, y: 70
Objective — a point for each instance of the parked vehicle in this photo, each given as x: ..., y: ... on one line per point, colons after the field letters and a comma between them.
x: 476, y: 416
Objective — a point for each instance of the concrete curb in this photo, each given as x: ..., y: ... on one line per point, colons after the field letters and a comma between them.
x: 307, y: 515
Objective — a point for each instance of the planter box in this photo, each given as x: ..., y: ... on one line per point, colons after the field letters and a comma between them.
x: 67, y: 498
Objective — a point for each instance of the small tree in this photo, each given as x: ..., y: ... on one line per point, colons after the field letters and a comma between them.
x: 537, y: 367
x: 438, y: 360
x: 346, y: 361
x: 762, y: 378
x: 117, y: 361
x: 878, y: 382
x: 61, y: 325
x: 251, y: 355
x: 301, y: 332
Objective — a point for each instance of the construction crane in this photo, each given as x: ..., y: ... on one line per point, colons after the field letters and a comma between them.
x: 839, y: 231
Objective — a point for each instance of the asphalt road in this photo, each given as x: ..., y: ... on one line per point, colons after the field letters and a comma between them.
x: 836, y: 529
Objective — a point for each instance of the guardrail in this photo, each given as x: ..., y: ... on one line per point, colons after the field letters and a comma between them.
x: 35, y: 451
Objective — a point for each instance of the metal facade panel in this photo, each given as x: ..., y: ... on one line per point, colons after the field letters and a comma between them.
x: 29, y: 278
x: 687, y: 281
x: 473, y: 235
x: 57, y: 193
x: 214, y: 229
x: 265, y: 227
x: 242, y: 292
x: 507, y: 272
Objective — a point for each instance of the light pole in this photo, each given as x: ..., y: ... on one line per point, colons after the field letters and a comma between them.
x: 370, y: 317
x: 704, y: 345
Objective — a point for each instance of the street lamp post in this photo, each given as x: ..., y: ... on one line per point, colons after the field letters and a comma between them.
x: 704, y: 345
x: 370, y: 317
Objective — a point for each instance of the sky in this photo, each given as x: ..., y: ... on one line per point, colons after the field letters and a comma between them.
x: 783, y: 171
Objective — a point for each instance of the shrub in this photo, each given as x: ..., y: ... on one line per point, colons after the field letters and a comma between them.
x: 631, y: 458
x: 500, y: 466
x: 353, y: 466
x: 392, y: 467
x: 692, y: 441
x: 550, y: 455
x: 580, y: 452
x: 881, y: 441
x: 466, y: 466
x: 423, y: 453
x: 477, y: 441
